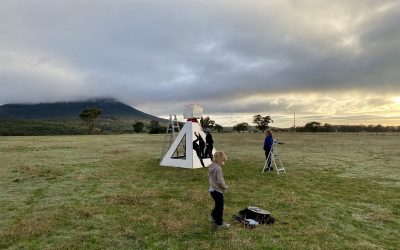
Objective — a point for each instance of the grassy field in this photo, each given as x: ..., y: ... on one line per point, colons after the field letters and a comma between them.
x: 101, y: 192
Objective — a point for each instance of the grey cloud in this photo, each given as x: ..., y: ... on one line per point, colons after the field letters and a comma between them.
x: 165, y: 53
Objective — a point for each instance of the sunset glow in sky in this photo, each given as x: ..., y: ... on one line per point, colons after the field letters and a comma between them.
x: 329, y: 61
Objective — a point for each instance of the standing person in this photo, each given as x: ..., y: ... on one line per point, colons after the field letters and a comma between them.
x: 217, y: 188
x: 268, y: 141
x: 209, y: 144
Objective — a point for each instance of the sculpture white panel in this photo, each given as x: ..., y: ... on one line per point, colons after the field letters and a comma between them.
x: 190, y: 158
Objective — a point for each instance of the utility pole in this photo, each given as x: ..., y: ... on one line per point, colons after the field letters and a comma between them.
x: 294, y: 122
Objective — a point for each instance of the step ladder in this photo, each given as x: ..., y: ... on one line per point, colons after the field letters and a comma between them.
x: 275, y: 160
x: 172, y: 132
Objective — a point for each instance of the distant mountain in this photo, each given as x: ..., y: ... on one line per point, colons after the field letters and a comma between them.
x: 62, y: 110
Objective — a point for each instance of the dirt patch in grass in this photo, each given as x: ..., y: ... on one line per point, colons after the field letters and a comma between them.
x: 88, y: 212
x: 38, y: 171
x: 174, y: 224
x: 35, y: 224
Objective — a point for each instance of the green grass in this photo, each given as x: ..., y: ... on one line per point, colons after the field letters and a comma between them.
x: 99, y: 192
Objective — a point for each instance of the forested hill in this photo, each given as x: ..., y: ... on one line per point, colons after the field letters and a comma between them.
x: 109, y: 107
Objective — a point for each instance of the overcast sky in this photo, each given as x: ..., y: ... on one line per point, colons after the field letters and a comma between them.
x: 330, y: 61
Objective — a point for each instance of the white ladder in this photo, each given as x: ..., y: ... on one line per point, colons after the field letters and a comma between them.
x: 273, y: 156
x: 172, y: 131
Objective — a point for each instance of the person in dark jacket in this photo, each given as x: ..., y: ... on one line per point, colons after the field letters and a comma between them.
x: 209, y: 144
x: 268, y: 141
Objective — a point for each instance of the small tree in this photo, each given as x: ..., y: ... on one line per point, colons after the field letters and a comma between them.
x: 90, y: 117
x: 313, y: 126
x: 327, y: 127
x: 138, y: 127
x: 219, y: 128
x: 379, y: 128
x: 359, y: 128
x: 244, y: 126
x: 262, y: 122
x: 206, y: 122
x: 156, y: 128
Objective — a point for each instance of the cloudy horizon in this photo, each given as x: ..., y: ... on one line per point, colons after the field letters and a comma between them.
x: 335, y: 62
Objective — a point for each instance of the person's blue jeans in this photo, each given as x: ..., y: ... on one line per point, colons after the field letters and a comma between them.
x: 218, y: 210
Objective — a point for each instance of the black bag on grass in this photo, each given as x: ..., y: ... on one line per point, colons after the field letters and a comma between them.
x: 255, y: 213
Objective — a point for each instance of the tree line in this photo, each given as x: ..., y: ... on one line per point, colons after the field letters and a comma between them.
x: 92, y: 124
x: 328, y: 128
x: 261, y: 124
x: 154, y: 127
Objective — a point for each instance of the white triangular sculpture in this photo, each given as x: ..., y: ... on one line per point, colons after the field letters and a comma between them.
x: 190, y: 158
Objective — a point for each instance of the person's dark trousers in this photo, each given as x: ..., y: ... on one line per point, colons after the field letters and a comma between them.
x: 202, y: 154
x: 209, y: 152
x: 269, y: 159
x: 218, y: 210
